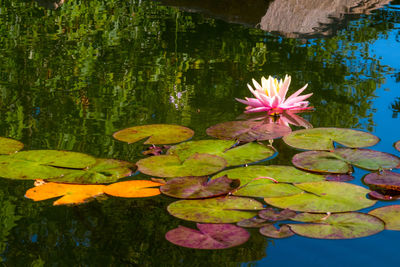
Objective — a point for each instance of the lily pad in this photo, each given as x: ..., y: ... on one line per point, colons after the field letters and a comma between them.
x: 268, y: 181
x: 42, y: 164
x: 339, y: 177
x: 340, y: 226
x: 209, y: 236
x: 71, y: 193
x: 215, y: 210
x: 9, y: 146
x: 134, y: 188
x: 252, y: 223
x: 272, y: 215
x: 390, y: 215
x: 103, y: 171
x: 341, y: 159
x: 324, y: 138
x: 198, y: 187
x: 157, y: 134
x: 234, y: 155
x: 248, y: 131
x: 172, y: 166
x: 384, y: 196
x: 397, y: 145
x: 385, y: 179
x: 271, y: 231
x: 324, y: 197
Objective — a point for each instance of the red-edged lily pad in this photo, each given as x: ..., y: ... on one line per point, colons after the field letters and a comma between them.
x: 324, y: 138
x: 270, y: 230
x: 209, y: 236
x: 215, y: 210
x: 248, y: 131
x: 9, y: 146
x: 324, y: 197
x: 171, y: 166
x: 341, y: 159
x: 234, y: 155
x: 390, y: 215
x: 156, y: 134
x: 385, y: 179
x: 198, y: 187
x: 384, y: 195
x: 273, y: 215
x: 252, y: 223
x: 340, y: 226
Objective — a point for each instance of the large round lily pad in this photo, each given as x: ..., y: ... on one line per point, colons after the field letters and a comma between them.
x: 268, y: 181
x: 340, y: 226
x: 325, y: 197
x: 157, y: 134
x: 385, y: 179
x: 324, y: 138
x: 209, y: 236
x: 103, y: 171
x: 341, y: 159
x: 9, y: 146
x: 198, y: 187
x: 390, y: 215
x: 215, y: 210
x: 248, y: 131
x: 42, y: 164
x: 172, y: 166
x: 234, y: 155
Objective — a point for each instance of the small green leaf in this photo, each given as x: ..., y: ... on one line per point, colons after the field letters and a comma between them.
x: 9, y: 146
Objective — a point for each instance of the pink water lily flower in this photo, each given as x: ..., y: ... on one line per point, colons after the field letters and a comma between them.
x: 271, y: 97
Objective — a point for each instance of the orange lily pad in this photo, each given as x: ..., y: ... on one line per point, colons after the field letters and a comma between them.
x: 135, y: 188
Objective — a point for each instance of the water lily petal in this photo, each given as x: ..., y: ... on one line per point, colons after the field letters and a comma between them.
x: 298, y: 92
x: 297, y: 99
x: 284, y: 87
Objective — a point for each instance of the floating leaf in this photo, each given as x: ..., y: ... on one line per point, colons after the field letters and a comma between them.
x: 209, y: 236
x: 103, y: 171
x: 323, y: 138
x: 134, y: 188
x: 339, y: 160
x: 198, y: 187
x: 71, y: 193
x: 9, y: 146
x: 339, y: 177
x: 324, y: 197
x: 215, y: 210
x: 271, y: 214
x: 248, y: 131
x: 271, y: 231
x: 238, y: 155
x: 390, y: 215
x: 157, y: 134
x: 310, y: 217
x: 383, y: 196
x: 257, y: 181
x: 340, y: 226
x: 397, y: 145
x: 385, y: 179
x: 171, y: 166
x: 41, y: 164
x: 252, y: 223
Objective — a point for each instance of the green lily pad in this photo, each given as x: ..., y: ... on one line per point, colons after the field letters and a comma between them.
x: 339, y: 177
x: 390, y: 215
x: 385, y: 179
x: 324, y: 197
x: 252, y: 223
x: 171, y: 166
x: 248, y: 131
x: 209, y: 236
x: 9, y: 146
x: 340, y: 226
x: 397, y: 145
x: 268, y: 181
x: 198, y: 187
x: 341, y: 159
x: 42, y: 164
x: 157, y: 134
x: 270, y: 230
x: 323, y: 138
x: 310, y: 217
x: 103, y: 171
x: 271, y: 214
x: 215, y: 210
x: 238, y: 155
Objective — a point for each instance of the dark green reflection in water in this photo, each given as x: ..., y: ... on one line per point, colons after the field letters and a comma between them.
x: 71, y: 77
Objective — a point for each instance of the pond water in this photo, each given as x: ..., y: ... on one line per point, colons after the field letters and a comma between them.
x: 73, y: 73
